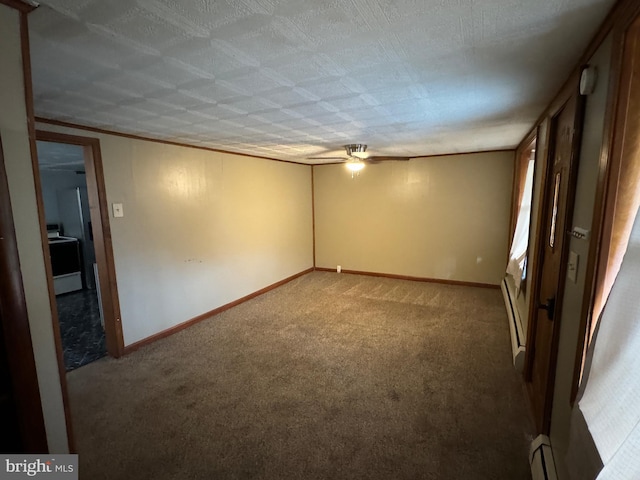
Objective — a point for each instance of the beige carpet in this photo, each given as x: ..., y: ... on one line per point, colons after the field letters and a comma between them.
x: 332, y: 376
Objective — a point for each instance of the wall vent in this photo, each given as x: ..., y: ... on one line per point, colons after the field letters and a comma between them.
x: 515, y: 327
x: 541, y: 459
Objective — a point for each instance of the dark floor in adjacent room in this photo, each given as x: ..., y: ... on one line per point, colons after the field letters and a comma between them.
x: 83, y: 339
x: 331, y: 376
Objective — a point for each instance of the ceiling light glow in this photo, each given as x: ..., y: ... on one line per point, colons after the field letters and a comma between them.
x: 355, y: 166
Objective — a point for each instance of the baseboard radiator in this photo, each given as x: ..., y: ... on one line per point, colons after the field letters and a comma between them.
x: 515, y: 326
x: 541, y: 459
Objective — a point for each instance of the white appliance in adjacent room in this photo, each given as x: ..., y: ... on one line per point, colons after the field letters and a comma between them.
x: 65, y: 263
x: 75, y: 220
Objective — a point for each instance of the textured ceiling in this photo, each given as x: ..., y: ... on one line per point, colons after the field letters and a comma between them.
x: 60, y: 156
x: 290, y: 79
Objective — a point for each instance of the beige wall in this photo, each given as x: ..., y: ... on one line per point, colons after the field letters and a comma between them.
x: 15, y: 141
x: 441, y: 217
x: 592, y: 140
x: 200, y: 229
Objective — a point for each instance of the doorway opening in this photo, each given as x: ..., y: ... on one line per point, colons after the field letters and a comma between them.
x: 72, y: 252
x: 72, y: 195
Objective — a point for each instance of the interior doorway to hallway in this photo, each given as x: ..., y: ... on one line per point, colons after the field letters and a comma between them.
x: 83, y: 288
x: 72, y: 253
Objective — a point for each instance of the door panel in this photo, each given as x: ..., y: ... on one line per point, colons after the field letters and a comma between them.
x: 559, y: 192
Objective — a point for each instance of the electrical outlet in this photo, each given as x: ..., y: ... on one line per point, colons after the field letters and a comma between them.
x: 339, y: 268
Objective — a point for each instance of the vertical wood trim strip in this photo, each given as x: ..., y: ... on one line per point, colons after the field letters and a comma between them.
x: 535, y: 268
x: 313, y: 213
x: 104, y: 249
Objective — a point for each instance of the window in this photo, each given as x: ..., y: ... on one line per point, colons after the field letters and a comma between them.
x: 516, y: 266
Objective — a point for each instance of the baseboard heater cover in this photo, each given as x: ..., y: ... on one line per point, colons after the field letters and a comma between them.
x: 515, y: 327
x: 541, y: 460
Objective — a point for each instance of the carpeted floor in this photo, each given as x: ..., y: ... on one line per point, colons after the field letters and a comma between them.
x: 331, y: 376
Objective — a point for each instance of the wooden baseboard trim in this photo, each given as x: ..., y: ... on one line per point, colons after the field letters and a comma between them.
x: 414, y: 279
x: 170, y: 331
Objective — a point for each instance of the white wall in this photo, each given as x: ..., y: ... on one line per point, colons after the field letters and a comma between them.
x: 200, y: 229
x: 13, y: 129
x: 443, y: 217
x: 592, y: 140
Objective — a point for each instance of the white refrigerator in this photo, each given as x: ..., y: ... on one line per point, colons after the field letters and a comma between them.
x: 75, y: 220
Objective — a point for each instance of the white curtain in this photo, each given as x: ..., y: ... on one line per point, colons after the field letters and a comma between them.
x: 611, y: 400
x: 520, y: 241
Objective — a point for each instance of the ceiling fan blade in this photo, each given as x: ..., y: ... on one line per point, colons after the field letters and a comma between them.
x: 382, y: 158
x: 327, y: 158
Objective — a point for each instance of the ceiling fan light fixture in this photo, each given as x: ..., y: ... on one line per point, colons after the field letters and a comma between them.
x: 356, y: 150
x: 355, y: 166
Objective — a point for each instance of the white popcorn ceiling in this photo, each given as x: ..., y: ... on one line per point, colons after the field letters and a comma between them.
x: 290, y: 79
x: 60, y: 156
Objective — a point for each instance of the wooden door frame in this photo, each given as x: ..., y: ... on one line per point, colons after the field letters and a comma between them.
x: 101, y: 235
x: 531, y: 137
x: 545, y: 204
x: 17, y: 333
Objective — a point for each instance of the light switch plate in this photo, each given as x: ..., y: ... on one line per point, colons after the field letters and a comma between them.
x: 118, y: 210
x: 572, y: 266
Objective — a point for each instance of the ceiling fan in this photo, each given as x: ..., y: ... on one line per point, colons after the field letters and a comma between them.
x: 356, y: 157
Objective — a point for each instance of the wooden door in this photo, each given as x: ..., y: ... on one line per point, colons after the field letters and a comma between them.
x: 540, y: 360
